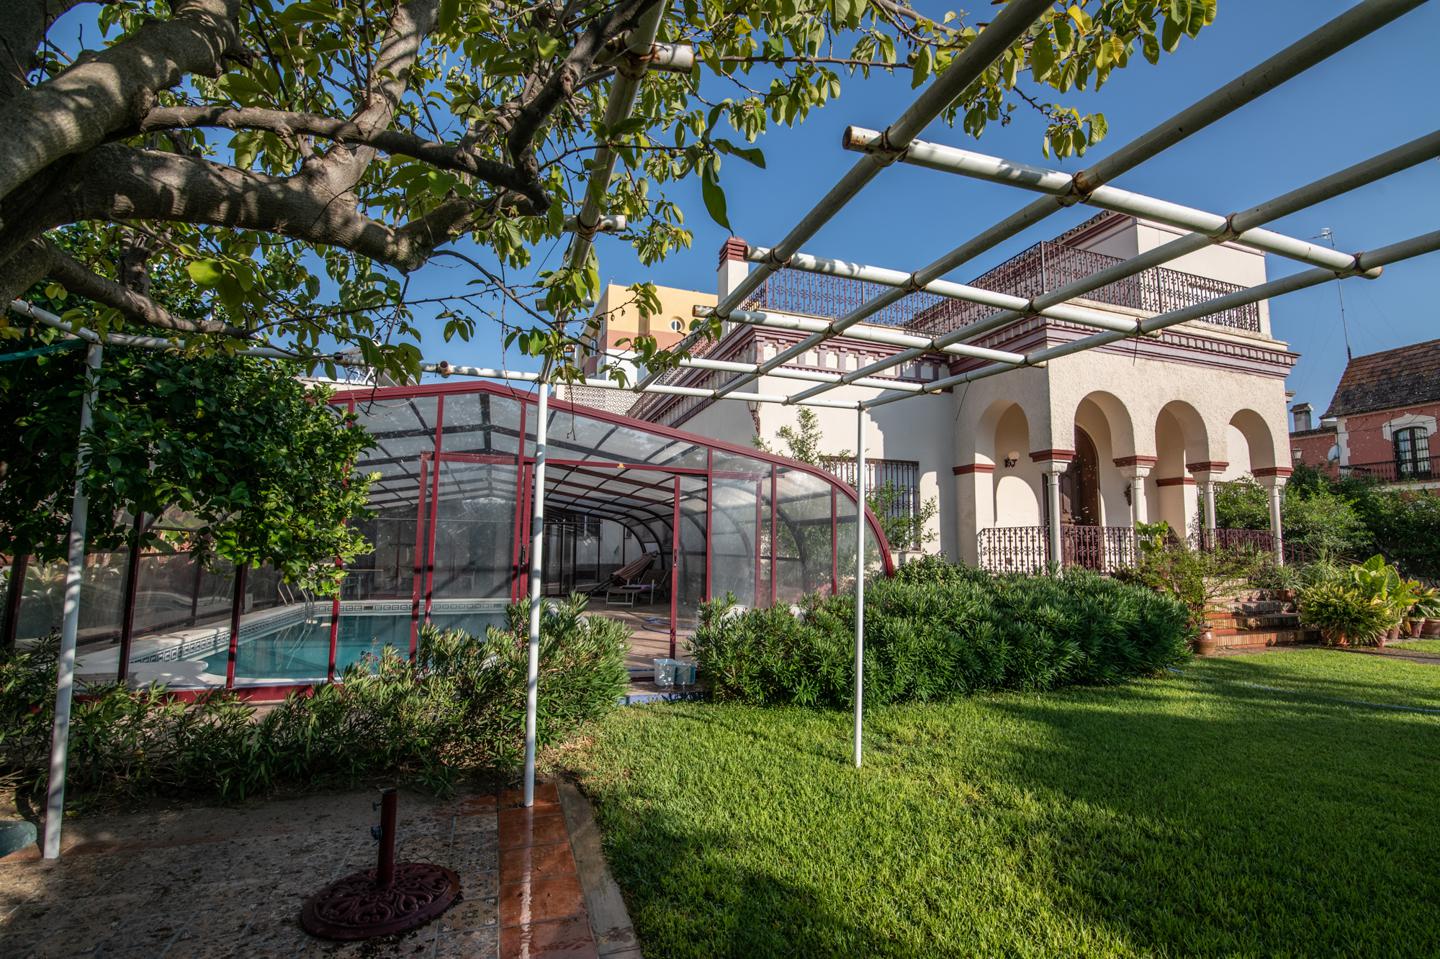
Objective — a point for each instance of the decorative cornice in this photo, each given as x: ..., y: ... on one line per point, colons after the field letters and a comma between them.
x: 1052, y: 456
x: 1176, y: 481
x: 1175, y: 345
x: 968, y: 468
x: 1124, y: 461
x: 1208, y: 466
x: 1281, y: 471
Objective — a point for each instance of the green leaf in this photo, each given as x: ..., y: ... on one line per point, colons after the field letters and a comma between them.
x: 205, y: 272
x: 1042, y: 58
x: 1170, y: 35
x: 714, y: 198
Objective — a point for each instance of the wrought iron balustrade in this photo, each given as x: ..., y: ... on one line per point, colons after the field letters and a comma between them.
x: 1026, y: 549
x: 1043, y: 267
x: 1418, y: 470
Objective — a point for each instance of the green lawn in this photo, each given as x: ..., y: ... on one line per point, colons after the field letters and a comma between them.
x: 1419, y: 645
x: 1249, y: 806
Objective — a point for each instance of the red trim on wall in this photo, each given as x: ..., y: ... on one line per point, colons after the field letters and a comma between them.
x: 1176, y: 481
x: 1208, y: 466
x: 1123, y: 461
x: 1273, y: 471
x: 1052, y: 456
x: 968, y: 468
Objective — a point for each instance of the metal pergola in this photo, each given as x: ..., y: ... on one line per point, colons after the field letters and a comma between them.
x: 877, y: 150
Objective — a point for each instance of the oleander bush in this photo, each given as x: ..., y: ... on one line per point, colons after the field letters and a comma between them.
x: 458, y: 708
x: 933, y: 633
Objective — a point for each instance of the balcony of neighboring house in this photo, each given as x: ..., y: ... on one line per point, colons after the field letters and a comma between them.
x: 1420, y: 469
x: 1046, y: 266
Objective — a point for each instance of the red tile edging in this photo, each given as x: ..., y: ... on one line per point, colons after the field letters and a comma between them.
x: 541, y: 904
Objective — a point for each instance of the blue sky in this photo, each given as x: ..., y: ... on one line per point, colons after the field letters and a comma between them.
x: 1364, y: 100
x: 1360, y: 102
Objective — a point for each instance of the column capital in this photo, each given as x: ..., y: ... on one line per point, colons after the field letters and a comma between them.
x: 1052, y: 460
x: 1146, y: 461
x: 1272, y: 475
x: 1135, y: 471
x: 1207, y: 471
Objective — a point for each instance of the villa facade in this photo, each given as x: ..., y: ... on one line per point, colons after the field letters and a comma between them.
x: 1135, y: 432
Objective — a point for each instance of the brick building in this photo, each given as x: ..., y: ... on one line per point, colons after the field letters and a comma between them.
x: 1381, y: 422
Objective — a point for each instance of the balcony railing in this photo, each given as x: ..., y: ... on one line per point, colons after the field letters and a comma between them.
x: 1043, y: 267
x: 1026, y: 549
x: 1422, y: 470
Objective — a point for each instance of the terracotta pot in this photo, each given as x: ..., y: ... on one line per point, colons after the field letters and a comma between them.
x: 1392, y: 635
x: 1338, y: 639
x: 1205, y: 644
x: 1285, y: 595
x: 1432, y: 627
x: 1413, y: 626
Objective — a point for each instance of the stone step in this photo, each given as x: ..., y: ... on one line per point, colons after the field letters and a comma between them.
x: 1268, y: 621
x: 1261, y: 638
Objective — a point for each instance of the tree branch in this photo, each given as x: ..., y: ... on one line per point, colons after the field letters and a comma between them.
x: 23, y: 25
x: 112, y: 89
x: 446, y: 156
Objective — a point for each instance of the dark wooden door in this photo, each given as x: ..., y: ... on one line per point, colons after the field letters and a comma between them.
x: 1080, y: 484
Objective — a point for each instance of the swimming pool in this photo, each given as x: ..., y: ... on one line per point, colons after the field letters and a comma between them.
x: 302, y: 650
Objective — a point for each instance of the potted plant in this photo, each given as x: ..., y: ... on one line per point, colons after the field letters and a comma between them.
x: 1196, y: 579
x: 1344, y: 614
x: 1425, y: 613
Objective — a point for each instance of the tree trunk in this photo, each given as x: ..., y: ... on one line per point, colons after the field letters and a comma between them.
x: 11, y: 622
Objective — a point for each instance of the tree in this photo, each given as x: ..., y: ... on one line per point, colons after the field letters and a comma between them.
x: 904, y: 529
x: 299, y: 162
x: 256, y: 466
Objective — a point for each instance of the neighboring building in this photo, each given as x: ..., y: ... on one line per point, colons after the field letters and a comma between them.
x: 1313, y: 445
x: 1381, y: 422
x: 1133, y: 431
x: 617, y: 322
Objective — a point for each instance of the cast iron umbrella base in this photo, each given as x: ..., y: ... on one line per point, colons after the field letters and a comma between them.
x: 390, y: 899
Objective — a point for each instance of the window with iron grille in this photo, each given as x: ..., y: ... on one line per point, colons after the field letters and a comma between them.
x: 903, y: 476
x: 1412, y: 452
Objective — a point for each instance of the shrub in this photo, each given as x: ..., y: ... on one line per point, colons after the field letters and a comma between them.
x: 935, y: 633
x: 1194, y: 578
x: 1344, y: 614
x: 459, y: 707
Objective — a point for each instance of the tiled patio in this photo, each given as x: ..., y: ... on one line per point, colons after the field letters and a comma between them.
x: 219, y: 882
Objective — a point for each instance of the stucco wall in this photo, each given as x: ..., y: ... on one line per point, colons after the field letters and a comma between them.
x: 1314, y: 448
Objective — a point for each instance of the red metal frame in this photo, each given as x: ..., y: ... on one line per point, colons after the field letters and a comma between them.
x: 515, y: 533
x: 759, y: 503
x: 434, y: 510
x: 834, y: 546
x: 526, y: 399
x: 419, y: 555
x: 774, y: 540
x: 709, y: 514
x: 127, y: 615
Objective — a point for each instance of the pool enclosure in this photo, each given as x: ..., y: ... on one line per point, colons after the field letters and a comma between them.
x: 638, y: 516
x: 648, y: 522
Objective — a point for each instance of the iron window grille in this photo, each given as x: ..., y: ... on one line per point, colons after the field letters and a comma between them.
x: 1412, y: 453
x: 902, y: 476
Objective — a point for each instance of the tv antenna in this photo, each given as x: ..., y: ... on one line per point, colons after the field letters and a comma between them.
x: 1328, y: 236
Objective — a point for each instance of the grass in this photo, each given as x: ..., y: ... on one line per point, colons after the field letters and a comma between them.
x: 1431, y: 646
x: 1247, y: 806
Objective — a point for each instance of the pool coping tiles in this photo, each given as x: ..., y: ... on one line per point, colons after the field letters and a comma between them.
x: 542, y: 902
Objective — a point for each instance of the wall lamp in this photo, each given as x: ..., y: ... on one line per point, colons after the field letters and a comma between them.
x: 1012, y: 458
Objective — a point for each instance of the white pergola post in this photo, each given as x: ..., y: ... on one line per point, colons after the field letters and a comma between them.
x: 65, y: 666
x: 859, y: 580
x: 537, y: 544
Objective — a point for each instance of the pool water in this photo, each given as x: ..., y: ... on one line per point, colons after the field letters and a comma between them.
x: 302, y: 650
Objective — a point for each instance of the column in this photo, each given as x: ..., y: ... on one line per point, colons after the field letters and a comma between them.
x: 1206, y: 475
x: 1136, y: 469
x: 1052, y: 463
x: 1273, y: 479
x: 974, y: 506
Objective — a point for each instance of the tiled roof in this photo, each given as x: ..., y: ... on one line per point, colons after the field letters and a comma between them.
x: 1382, y: 381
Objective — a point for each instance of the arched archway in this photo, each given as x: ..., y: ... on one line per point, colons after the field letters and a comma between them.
x: 1249, y: 443
x: 1080, y: 484
x: 1180, y: 439
x: 1106, y: 423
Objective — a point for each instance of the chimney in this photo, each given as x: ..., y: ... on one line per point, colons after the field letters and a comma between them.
x: 1302, y: 417
x: 733, y: 265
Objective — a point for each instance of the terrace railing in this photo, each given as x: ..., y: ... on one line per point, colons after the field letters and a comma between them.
x: 1043, y: 267
x: 1421, y: 470
x: 1025, y: 549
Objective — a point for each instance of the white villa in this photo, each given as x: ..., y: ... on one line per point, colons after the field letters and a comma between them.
x: 1134, y: 432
